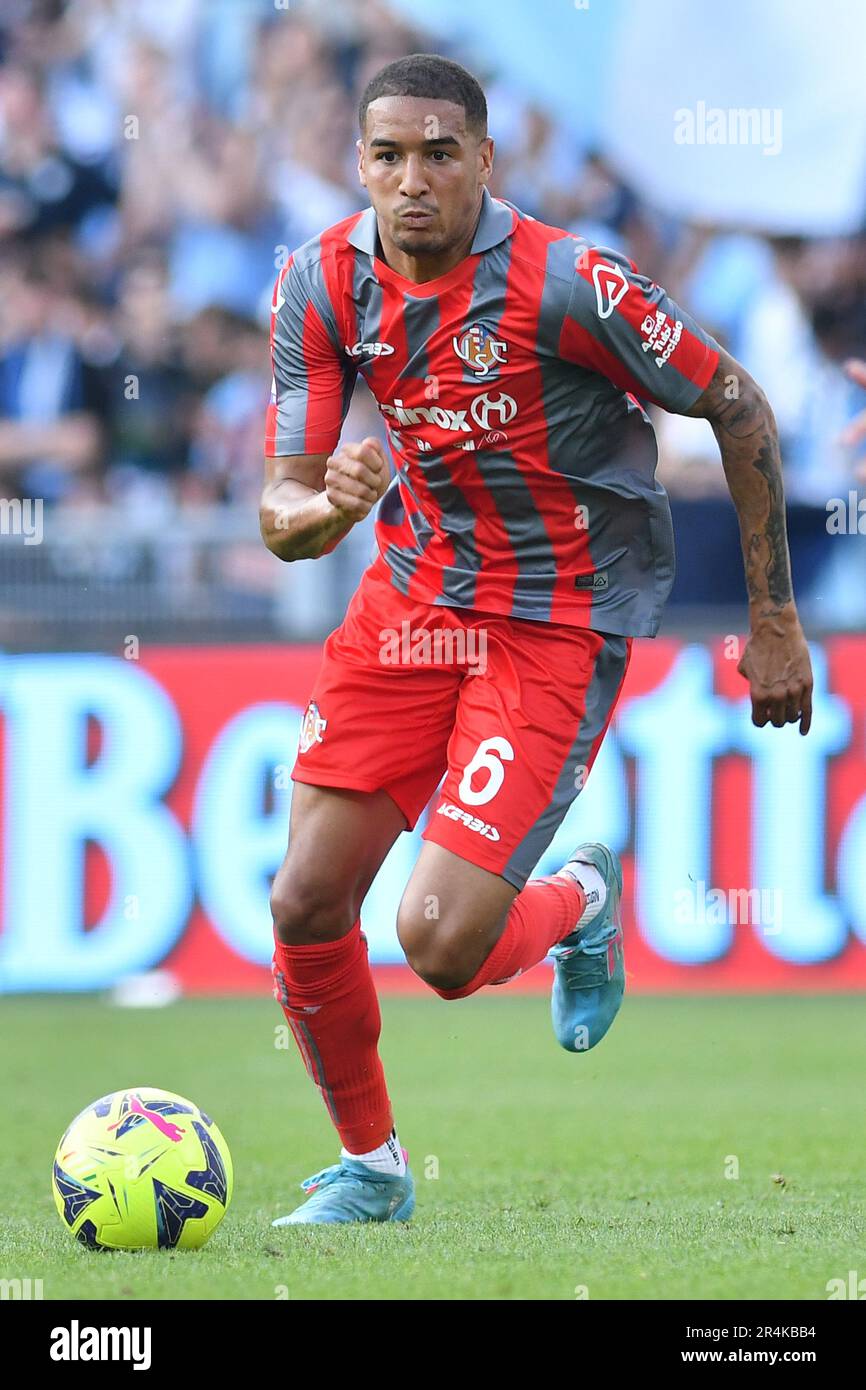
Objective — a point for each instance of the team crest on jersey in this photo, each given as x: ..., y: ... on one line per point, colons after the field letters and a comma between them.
x: 479, y: 349
x: 312, y: 728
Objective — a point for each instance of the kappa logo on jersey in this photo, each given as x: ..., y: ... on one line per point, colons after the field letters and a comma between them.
x: 484, y: 409
x: 312, y: 728
x: 611, y: 286
x: 471, y: 822
x: 479, y: 350
x: 370, y: 350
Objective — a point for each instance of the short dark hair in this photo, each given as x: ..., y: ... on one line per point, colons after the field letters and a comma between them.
x: 429, y: 75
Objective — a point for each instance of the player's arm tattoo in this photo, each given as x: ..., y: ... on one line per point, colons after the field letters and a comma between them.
x: 745, y: 428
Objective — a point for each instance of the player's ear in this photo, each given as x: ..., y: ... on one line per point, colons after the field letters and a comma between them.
x: 485, y: 159
x: 359, y: 146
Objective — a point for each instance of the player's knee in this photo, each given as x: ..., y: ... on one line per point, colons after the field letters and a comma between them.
x: 436, y: 952
x: 306, y: 908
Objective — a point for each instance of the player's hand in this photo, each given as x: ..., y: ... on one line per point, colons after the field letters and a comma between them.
x: 356, y: 477
x: 777, y: 666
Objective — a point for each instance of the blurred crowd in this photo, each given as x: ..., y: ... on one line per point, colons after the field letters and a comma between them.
x: 159, y: 160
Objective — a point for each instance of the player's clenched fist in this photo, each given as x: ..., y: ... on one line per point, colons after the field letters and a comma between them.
x: 776, y: 664
x: 356, y: 477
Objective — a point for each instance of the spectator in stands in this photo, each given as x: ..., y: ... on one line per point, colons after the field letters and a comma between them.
x: 42, y: 187
x: 152, y: 398
x: 52, y: 400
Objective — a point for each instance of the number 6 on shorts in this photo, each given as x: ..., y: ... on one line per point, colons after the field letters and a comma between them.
x: 485, y: 756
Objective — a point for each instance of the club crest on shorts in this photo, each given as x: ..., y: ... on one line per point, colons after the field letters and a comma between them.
x: 312, y: 728
x: 479, y: 349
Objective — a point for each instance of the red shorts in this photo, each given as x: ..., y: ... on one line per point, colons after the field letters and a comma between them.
x: 513, y: 713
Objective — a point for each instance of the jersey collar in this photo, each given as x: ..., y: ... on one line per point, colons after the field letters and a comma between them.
x: 496, y: 222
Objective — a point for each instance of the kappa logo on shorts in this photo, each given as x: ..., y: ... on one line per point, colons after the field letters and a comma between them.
x: 471, y: 822
x: 312, y: 728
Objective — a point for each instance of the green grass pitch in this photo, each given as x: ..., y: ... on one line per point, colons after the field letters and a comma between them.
x: 540, y: 1175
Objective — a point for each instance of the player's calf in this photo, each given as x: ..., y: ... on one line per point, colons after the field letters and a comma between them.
x: 478, y: 930
x: 445, y: 959
x: 450, y: 919
x: 322, y: 975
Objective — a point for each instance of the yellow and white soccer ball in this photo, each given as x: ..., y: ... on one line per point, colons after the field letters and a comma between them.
x: 142, y: 1169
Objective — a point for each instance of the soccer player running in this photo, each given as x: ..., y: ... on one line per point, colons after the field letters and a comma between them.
x: 522, y: 545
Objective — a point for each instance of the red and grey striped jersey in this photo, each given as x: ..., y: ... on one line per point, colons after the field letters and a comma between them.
x: 511, y: 388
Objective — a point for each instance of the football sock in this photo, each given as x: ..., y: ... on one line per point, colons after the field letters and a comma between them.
x: 327, y: 994
x: 543, y: 913
x: 593, y: 885
x: 387, y: 1158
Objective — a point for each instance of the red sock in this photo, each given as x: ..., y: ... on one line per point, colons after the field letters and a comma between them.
x: 330, y: 1002
x: 545, y: 912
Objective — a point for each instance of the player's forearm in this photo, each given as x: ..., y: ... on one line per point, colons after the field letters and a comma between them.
x: 749, y: 445
x: 745, y: 428
x: 298, y: 523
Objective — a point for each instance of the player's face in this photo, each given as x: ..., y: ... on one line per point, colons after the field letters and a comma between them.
x: 424, y: 172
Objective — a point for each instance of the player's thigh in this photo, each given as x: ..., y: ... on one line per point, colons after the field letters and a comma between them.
x: 526, y: 735
x: 338, y: 840
x: 378, y: 718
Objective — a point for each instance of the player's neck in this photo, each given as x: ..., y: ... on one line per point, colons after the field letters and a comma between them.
x: 420, y: 269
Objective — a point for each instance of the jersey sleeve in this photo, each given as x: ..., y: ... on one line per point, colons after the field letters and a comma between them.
x: 622, y: 325
x: 312, y: 386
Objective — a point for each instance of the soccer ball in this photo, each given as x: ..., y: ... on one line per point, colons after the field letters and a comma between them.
x: 142, y: 1169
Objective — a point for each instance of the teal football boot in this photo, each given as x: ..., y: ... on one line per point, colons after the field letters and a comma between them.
x: 350, y: 1191
x: 589, y: 970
